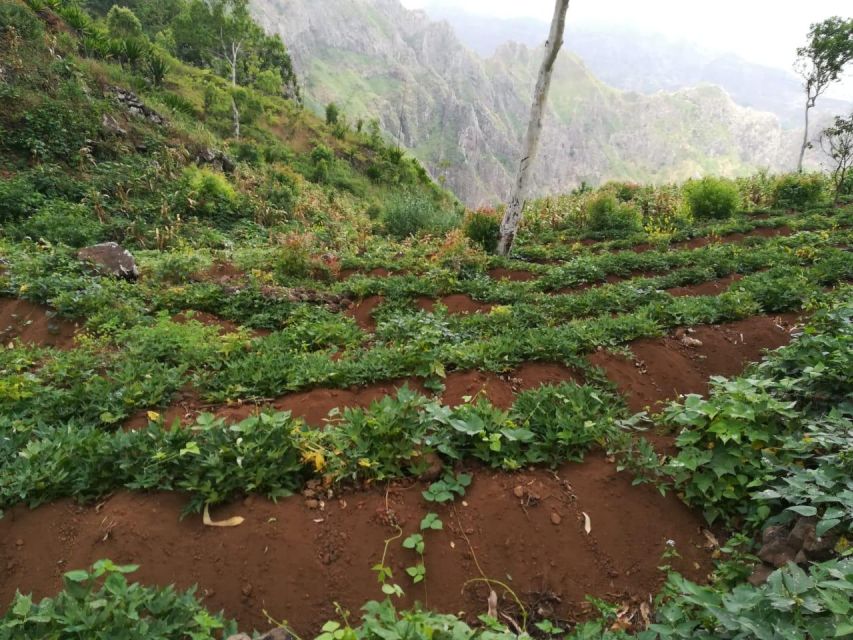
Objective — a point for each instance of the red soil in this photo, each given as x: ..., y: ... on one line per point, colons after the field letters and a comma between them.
x: 315, y: 405
x: 378, y: 272
x: 710, y: 288
x: 295, y: 562
x: 208, y: 320
x: 501, y: 389
x: 456, y: 303
x: 514, y: 275
x: 221, y: 272
x: 34, y: 325
x: 665, y: 368
x: 362, y: 312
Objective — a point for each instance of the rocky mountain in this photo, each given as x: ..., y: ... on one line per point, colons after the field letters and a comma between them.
x: 635, y: 60
x: 464, y: 115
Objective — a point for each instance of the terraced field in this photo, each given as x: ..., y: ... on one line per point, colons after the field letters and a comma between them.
x: 275, y: 378
x: 357, y: 393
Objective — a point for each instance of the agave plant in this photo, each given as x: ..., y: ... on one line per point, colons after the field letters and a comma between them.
x: 157, y: 68
x: 133, y: 51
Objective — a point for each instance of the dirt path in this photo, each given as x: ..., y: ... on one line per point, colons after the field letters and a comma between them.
x: 296, y: 562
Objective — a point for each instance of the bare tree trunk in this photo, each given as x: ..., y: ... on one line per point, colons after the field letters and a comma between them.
x: 805, y: 138
x: 514, y: 209
x: 235, y: 113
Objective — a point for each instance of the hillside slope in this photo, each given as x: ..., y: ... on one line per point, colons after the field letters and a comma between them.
x: 463, y: 116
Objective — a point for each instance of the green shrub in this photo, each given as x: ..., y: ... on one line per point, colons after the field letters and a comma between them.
x: 798, y: 191
x: 712, y: 198
x: 55, y: 129
x: 484, y: 228
x: 208, y: 194
x: 20, y: 19
x: 280, y: 191
x: 409, y: 213
x: 624, y: 191
x: 62, y: 222
x: 608, y: 216
x: 18, y: 199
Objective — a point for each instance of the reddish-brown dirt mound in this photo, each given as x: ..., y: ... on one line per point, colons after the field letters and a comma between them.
x: 208, y: 320
x: 501, y: 389
x: 515, y: 275
x: 220, y: 272
x: 184, y: 410
x: 315, y: 405
x: 703, y: 241
x: 362, y: 312
x: 663, y: 369
x: 710, y: 288
x: 296, y: 563
x: 377, y: 272
x: 456, y: 303
x: 34, y: 325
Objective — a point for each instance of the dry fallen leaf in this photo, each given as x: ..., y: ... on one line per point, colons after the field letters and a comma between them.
x: 587, y: 523
x: 645, y: 613
x: 712, y: 539
x: 230, y: 522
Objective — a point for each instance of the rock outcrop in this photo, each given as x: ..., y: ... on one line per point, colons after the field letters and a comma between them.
x: 464, y: 116
x: 110, y: 259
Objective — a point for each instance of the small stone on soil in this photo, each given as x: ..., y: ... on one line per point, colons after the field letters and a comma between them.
x: 555, y: 518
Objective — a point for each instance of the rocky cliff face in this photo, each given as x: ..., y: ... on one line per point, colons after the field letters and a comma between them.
x: 464, y: 117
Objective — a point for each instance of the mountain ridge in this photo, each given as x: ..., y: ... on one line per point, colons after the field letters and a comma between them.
x: 464, y: 116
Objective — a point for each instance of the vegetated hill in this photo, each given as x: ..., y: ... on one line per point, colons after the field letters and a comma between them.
x: 635, y: 60
x: 93, y: 149
x: 464, y: 116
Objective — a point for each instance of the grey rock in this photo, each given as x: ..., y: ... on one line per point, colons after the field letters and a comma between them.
x: 215, y: 159
x: 110, y: 259
x: 135, y: 106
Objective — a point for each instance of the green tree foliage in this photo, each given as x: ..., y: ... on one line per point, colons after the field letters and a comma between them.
x: 222, y: 36
x: 607, y: 216
x: 332, y: 113
x: 837, y: 142
x: 123, y: 23
x: 821, y: 62
x: 712, y: 198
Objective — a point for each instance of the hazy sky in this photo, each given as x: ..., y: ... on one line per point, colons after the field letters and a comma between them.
x: 764, y: 31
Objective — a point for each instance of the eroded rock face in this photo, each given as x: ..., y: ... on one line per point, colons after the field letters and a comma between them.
x: 110, y: 259
x: 464, y: 116
x: 215, y: 159
x: 135, y: 106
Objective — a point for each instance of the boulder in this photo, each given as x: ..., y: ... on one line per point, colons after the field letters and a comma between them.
x: 777, y: 553
x: 110, y: 259
x: 215, y: 159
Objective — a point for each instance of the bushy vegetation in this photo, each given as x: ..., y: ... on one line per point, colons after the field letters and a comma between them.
x: 408, y: 214
x: 609, y: 217
x: 483, y: 227
x: 798, y: 191
x: 712, y: 198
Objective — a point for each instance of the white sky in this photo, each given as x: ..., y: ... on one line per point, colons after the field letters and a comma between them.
x: 763, y: 31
